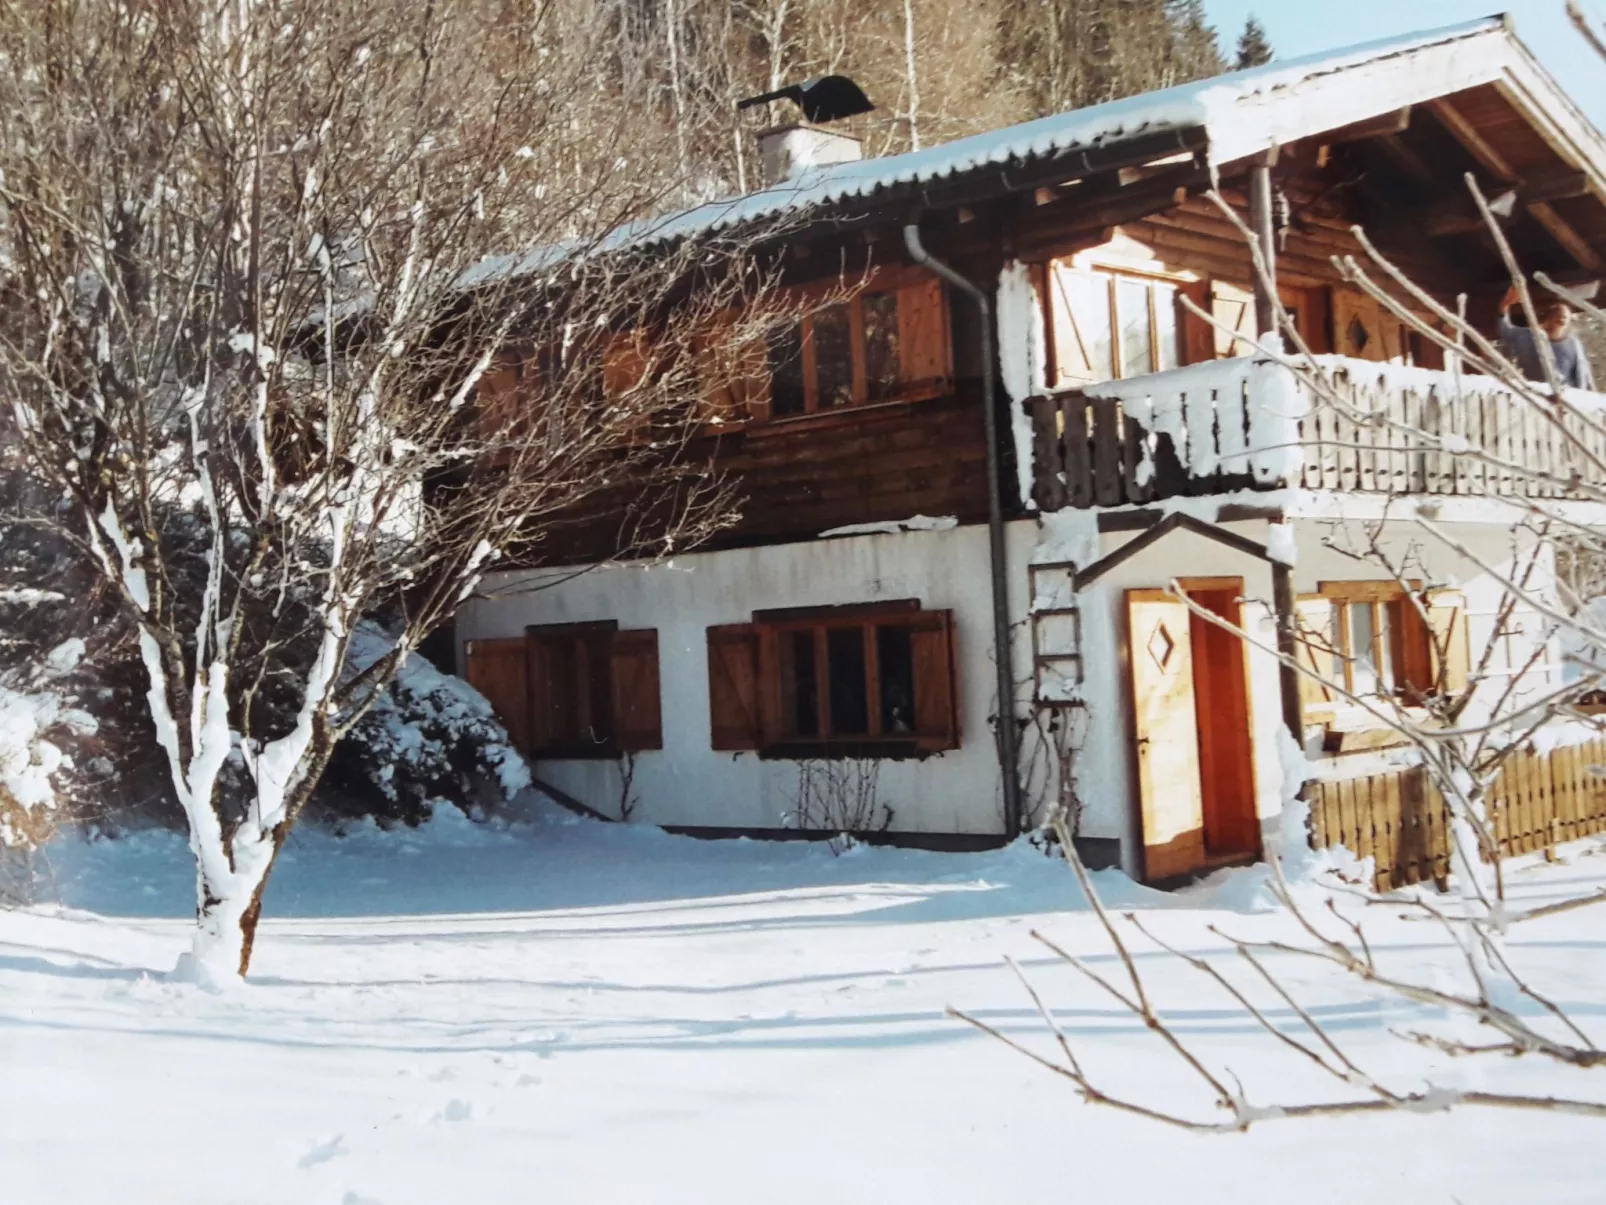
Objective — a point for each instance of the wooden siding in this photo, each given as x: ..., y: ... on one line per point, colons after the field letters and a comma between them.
x: 1399, y: 818
x: 794, y: 478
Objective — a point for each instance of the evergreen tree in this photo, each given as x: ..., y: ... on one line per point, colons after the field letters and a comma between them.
x: 1195, y: 51
x: 1254, y: 48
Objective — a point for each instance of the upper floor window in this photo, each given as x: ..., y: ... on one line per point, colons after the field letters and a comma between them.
x: 888, y: 342
x: 1108, y: 323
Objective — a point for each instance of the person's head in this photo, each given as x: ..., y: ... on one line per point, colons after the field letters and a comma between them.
x: 1555, y: 317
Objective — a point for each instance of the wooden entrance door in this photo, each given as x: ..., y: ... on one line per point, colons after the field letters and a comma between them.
x: 1164, y: 725
x: 1221, y: 702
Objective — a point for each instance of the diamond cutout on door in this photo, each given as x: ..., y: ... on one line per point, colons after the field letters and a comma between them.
x: 1161, y: 646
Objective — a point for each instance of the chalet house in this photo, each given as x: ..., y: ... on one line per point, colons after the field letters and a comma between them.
x: 975, y: 478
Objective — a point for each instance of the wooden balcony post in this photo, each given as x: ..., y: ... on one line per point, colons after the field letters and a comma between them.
x: 1282, y: 601
x: 1262, y: 223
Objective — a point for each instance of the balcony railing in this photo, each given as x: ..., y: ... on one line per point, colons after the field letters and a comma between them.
x: 1249, y: 423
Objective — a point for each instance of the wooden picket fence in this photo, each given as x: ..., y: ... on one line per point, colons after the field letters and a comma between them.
x: 1399, y: 819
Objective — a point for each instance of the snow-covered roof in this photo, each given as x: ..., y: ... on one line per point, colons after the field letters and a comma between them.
x: 1240, y: 114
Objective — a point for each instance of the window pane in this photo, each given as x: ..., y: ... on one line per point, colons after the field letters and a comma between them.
x: 1132, y: 305
x: 833, y: 357
x: 850, y: 693
x: 562, y: 703
x: 1089, y: 300
x: 881, y: 363
x: 800, y: 690
x: 896, y: 665
x: 1363, y: 665
x: 596, y: 683
x: 1165, y: 326
x: 1385, y: 669
x: 786, y: 371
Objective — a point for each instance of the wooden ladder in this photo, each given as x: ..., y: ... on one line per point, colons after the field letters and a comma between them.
x: 1056, y: 635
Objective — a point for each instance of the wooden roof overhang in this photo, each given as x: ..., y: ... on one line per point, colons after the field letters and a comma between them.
x: 1401, y: 128
x: 1400, y: 121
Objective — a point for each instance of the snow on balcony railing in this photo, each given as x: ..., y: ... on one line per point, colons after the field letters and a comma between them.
x: 1249, y: 423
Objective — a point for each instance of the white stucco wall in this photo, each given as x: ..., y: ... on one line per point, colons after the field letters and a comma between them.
x: 687, y: 782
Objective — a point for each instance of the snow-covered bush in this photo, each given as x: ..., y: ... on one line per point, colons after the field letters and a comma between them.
x: 76, y: 741
x: 432, y: 738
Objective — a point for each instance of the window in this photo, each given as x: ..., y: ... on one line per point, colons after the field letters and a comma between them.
x: 1110, y: 324
x: 874, y: 680
x: 889, y: 342
x: 573, y: 690
x: 1370, y: 638
x: 581, y: 377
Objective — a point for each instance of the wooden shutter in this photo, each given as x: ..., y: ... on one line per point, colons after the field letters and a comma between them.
x: 637, y: 711
x: 1411, y: 650
x: 1358, y: 326
x: 1198, y: 336
x: 1447, y: 620
x: 1313, y: 617
x: 924, y: 347
x: 498, y: 397
x: 1079, y: 326
x: 931, y: 640
x: 733, y: 686
x: 1233, y: 308
x: 496, y: 668
x: 734, y: 380
x: 624, y: 363
x: 546, y: 709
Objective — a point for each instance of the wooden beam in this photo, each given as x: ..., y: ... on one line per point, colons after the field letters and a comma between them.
x: 1561, y: 187
x: 1396, y: 122
x: 1282, y: 605
x: 1497, y: 164
x: 1176, y: 521
x: 1262, y: 223
x: 1467, y: 135
x: 1407, y: 159
x: 1572, y: 242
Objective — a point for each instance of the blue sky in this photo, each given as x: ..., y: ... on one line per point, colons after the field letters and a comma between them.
x: 1299, y: 27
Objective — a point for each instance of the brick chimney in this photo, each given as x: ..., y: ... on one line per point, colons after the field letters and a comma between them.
x: 787, y: 151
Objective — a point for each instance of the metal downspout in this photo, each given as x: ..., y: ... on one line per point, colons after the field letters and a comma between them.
x: 1006, y: 734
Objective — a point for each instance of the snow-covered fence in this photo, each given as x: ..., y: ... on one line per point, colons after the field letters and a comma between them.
x: 1398, y: 818
x: 1248, y: 423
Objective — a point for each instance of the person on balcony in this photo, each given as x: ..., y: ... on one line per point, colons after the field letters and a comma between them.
x: 1521, y: 343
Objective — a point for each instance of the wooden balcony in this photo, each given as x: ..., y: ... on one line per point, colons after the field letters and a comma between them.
x: 1249, y: 424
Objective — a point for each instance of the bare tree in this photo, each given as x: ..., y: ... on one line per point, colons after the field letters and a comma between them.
x: 256, y: 333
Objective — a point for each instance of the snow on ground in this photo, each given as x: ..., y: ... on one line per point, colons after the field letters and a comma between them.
x: 565, y: 1011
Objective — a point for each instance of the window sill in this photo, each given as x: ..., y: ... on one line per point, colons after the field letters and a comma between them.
x: 844, y: 415
x: 587, y: 752
x: 843, y: 749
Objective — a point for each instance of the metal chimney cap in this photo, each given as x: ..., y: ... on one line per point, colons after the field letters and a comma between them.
x: 823, y: 98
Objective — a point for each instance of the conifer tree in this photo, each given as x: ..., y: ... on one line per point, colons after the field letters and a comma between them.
x: 1254, y: 48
